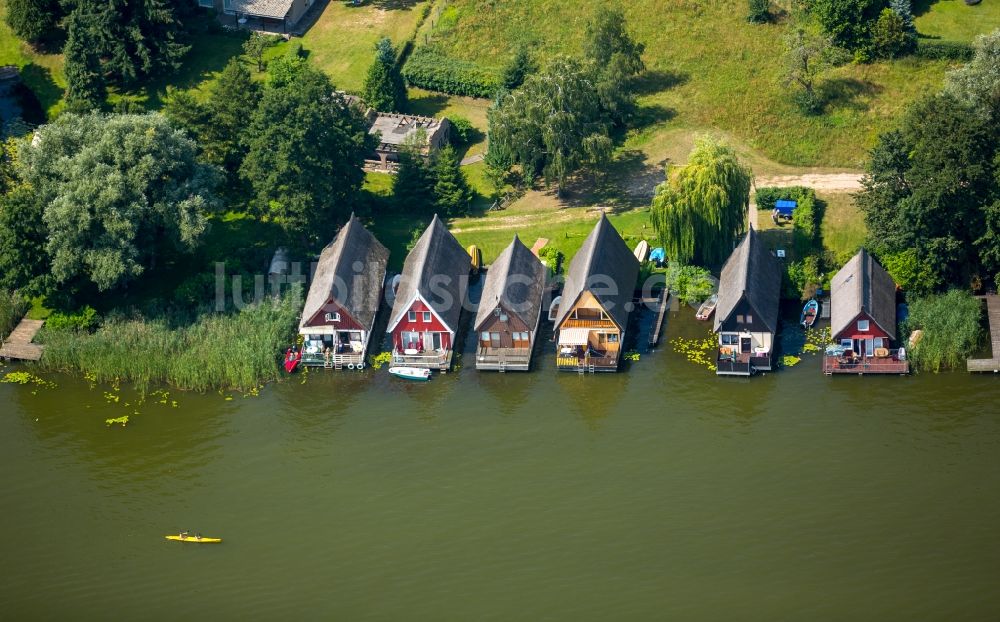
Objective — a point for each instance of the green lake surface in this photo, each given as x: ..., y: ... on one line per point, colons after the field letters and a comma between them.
x: 659, y: 493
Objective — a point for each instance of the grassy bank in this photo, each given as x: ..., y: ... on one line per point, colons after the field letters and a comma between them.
x: 237, y: 351
x: 710, y: 68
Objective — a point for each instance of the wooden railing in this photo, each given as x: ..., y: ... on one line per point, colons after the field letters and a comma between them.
x: 587, y: 323
x: 585, y: 362
x: 864, y: 365
x: 424, y: 358
x: 335, y: 360
x: 511, y: 356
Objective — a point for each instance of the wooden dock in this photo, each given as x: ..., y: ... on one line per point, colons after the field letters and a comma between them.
x: 18, y: 346
x: 993, y: 313
x: 661, y: 311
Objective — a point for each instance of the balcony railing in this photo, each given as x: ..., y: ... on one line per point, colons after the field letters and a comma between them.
x: 577, y: 363
x: 490, y: 358
x: 430, y: 359
x: 586, y: 323
x: 865, y: 365
x: 742, y: 364
x: 334, y: 360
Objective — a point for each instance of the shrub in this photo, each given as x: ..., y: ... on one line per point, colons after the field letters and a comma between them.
x: 944, y: 50
x: 85, y: 319
x: 951, y: 329
x: 462, y: 131
x: 758, y: 12
x: 552, y: 258
x: 430, y: 70
x: 890, y: 37
x: 691, y: 284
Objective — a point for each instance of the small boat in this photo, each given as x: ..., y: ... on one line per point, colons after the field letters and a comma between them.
x: 707, y: 308
x: 642, y: 251
x: 186, y: 537
x: 809, y: 313
x: 554, y: 308
x: 477, y: 258
x: 658, y: 256
x: 410, y: 373
x: 292, y: 358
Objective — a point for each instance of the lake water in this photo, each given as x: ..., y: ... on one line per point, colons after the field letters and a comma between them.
x: 659, y: 493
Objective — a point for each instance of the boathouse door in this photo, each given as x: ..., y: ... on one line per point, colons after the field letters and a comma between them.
x: 745, y: 344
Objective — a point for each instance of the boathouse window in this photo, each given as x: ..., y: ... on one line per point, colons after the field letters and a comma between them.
x: 484, y: 337
x: 427, y: 317
x: 411, y: 316
x: 862, y: 325
x: 332, y: 317
x: 612, y: 337
x: 495, y: 338
x: 206, y: 3
x: 729, y: 339
x: 604, y: 316
x: 749, y: 319
x: 846, y: 343
x: 739, y: 319
x: 503, y: 317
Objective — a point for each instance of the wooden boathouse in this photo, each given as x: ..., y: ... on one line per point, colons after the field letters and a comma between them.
x: 343, y: 300
x: 510, y: 310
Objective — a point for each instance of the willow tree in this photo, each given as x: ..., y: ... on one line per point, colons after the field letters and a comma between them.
x: 702, y: 207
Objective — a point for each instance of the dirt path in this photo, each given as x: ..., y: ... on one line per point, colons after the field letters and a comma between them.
x: 831, y: 182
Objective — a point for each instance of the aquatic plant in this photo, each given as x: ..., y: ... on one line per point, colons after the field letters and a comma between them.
x: 122, y: 421
x: 951, y: 329
x: 790, y: 360
x: 236, y: 351
x: 26, y: 378
x: 631, y: 355
x: 697, y: 351
x: 380, y: 359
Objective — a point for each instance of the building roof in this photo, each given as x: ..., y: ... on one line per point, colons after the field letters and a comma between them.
x: 863, y: 285
x: 276, y: 9
x: 350, y: 270
x: 436, y: 269
x: 750, y: 271
x: 394, y: 129
x: 605, y: 266
x: 516, y: 279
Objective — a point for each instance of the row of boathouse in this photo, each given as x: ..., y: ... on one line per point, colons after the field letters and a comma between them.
x: 590, y: 314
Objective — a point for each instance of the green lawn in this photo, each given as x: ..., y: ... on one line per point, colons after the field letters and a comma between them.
x: 709, y: 68
x: 953, y: 20
x: 41, y: 72
x: 844, y: 229
x: 342, y: 41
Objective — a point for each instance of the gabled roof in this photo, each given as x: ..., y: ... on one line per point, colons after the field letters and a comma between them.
x: 276, y: 9
x: 750, y: 271
x: 605, y: 266
x: 350, y: 270
x: 516, y: 279
x: 436, y: 268
x: 395, y: 129
x: 863, y: 285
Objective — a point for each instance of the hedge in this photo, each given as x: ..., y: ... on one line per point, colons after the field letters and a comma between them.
x: 428, y: 69
x: 944, y: 50
x: 807, y: 219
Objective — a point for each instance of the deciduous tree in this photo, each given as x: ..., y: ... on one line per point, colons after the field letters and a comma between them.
x: 977, y: 84
x: 553, y: 125
x: 116, y: 191
x: 305, y: 153
x: 701, y: 209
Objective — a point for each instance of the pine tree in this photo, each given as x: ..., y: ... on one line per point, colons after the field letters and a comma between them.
x: 34, y: 20
x: 413, y: 184
x: 232, y: 99
x: 384, y: 89
x: 136, y: 38
x: 903, y: 9
x: 85, y: 88
x: 451, y: 188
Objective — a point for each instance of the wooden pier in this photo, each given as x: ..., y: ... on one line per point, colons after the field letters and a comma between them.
x: 661, y: 311
x: 18, y: 346
x: 993, y: 314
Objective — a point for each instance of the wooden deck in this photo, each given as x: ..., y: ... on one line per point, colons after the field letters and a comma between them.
x: 834, y: 365
x: 993, y: 313
x: 661, y: 312
x: 18, y: 346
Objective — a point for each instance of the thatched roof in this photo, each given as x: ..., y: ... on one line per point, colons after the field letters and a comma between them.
x: 516, y: 279
x: 750, y: 271
x: 863, y: 285
x: 437, y: 268
x: 605, y: 266
x: 351, y: 271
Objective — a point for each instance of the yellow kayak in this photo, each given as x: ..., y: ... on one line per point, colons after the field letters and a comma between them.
x: 190, y: 538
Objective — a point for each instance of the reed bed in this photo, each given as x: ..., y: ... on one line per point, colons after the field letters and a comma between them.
x: 951, y: 330
x: 238, y: 351
x: 12, y: 308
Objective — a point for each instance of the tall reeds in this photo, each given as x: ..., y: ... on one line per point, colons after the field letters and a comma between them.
x: 12, y: 309
x: 237, y: 351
